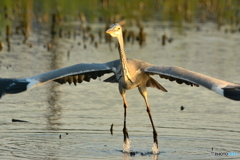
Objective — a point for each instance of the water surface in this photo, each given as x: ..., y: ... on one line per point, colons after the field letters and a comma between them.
x: 83, y: 115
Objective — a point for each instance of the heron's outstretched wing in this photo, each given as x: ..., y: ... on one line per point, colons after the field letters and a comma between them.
x: 72, y: 74
x: 180, y: 75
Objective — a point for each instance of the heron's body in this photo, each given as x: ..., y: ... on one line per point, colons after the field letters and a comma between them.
x: 128, y: 73
x: 134, y: 75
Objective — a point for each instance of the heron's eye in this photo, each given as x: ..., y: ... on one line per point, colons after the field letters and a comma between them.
x: 118, y: 28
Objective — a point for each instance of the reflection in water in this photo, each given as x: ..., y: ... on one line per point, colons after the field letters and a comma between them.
x: 26, y: 24
x: 127, y: 156
x: 54, y: 109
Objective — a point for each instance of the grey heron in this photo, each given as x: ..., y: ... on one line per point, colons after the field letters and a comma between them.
x: 128, y: 73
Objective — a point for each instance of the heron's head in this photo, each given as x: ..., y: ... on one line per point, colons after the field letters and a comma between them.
x: 115, y: 30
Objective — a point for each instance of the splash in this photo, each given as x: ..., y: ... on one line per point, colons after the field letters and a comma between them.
x: 126, y: 146
x: 155, y: 149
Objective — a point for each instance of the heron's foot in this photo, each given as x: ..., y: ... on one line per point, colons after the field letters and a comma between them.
x: 126, y: 146
x: 155, y: 149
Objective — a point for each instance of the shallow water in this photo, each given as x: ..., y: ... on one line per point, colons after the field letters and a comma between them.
x: 83, y: 115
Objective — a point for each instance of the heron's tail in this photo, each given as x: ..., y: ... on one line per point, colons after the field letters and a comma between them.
x: 12, y: 86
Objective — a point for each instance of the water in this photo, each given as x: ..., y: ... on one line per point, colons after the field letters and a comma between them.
x: 83, y: 115
x: 127, y: 146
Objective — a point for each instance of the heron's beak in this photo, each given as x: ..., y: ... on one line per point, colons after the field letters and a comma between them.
x: 109, y: 31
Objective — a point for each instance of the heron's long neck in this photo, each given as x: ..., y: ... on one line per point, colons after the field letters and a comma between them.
x: 123, y: 58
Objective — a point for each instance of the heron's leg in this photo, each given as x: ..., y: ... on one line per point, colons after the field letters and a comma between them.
x: 143, y: 91
x: 125, y: 132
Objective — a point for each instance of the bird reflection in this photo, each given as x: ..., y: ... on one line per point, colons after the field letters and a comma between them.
x: 127, y: 156
x: 54, y: 109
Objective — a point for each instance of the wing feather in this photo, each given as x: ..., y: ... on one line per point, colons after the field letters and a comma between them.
x: 181, y: 75
x: 72, y: 74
